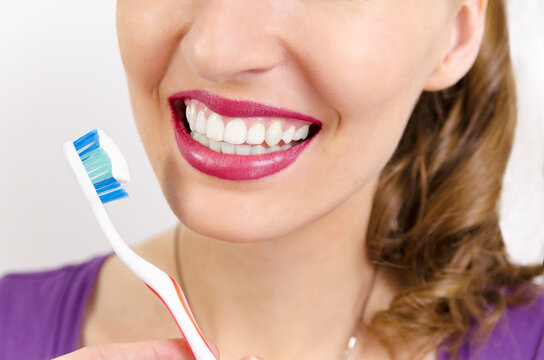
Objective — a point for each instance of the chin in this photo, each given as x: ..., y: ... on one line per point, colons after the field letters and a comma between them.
x: 232, y: 217
x: 229, y: 232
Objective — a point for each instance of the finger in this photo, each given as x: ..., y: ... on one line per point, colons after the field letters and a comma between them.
x: 251, y: 357
x: 171, y: 349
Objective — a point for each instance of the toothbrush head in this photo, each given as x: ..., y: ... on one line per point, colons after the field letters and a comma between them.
x: 104, y: 164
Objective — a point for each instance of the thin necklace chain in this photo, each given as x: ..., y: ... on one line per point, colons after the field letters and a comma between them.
x: 353, y: 338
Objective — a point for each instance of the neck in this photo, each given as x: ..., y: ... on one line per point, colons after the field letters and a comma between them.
x: 304, y: 291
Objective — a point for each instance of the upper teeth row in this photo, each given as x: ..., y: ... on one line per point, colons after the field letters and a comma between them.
x: 236, y: 132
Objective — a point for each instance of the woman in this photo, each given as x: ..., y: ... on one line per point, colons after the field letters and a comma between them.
x: 382, y: 226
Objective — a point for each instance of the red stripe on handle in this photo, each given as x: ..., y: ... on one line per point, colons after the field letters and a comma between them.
x: 173, y: 317
x: 188, y: 310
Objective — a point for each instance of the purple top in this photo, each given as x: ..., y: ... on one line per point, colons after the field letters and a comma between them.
x: 41, y: 315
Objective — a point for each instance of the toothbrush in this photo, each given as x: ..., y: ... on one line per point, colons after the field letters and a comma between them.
x: 102, y: 173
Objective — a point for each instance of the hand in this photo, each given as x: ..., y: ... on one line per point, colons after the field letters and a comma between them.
x: 173, y: 349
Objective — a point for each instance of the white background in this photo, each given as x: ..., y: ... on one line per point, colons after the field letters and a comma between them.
x: 61, y: 75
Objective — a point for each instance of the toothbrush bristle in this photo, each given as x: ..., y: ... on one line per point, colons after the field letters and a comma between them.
x: 98, y: 165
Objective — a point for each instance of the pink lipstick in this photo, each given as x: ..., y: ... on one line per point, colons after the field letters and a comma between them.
x: 229, y: 166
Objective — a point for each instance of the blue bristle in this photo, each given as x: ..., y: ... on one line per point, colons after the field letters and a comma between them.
x: 89, y: 138
x: 114, y: 185
x: 92, y: 146
x: 114, y: 195
x: 102, y: 184
x: 99, y: 168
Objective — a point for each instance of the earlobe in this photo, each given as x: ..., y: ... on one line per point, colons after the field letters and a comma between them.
x: 465, y: 37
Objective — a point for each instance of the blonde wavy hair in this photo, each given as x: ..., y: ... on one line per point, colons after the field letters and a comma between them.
x: 434, y: 222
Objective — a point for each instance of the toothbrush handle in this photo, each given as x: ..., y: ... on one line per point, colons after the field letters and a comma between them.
x: 161, y: 284
x: 182, y: 307
x: 157, y: 280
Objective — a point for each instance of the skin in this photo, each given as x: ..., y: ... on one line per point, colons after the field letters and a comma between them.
x: 277, y: 267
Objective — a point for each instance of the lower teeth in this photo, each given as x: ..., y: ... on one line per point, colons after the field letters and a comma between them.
x: 227, y: 148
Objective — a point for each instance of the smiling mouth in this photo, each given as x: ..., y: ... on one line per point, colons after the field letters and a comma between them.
x: 241, y: 135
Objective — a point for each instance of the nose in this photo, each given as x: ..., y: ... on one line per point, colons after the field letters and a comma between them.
x: 229, y: 39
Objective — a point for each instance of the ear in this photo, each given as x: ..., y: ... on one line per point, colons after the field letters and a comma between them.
x: 466, y: 34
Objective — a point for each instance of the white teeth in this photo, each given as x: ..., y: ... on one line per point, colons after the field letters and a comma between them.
x: 287, y: 146
x: 273, y: 133
x: 255, y: 134
x: 242, y: 149
x: 201, y: 122
x: 189, y: 114
x: 215, y: 146
x: 227, y: 148
x: 258, y: 150
x: 201, y: 139
x: 214, y: 128
x: 235, y: 132
x: 288, y: 134
x: 301, y: 133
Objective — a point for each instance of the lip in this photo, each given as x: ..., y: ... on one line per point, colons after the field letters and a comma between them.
x: 229, y: 166
x: 242, y: 108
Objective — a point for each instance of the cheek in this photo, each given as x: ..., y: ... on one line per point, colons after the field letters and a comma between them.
x: 148, y: 33
x: 374, y: 63
x: 377, y: 70
x: 373, y: 79
x: 150, y: 120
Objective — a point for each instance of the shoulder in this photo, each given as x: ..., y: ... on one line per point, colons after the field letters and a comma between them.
x: 519, y: 333
x: 39, y: 311
x: 11, y: 284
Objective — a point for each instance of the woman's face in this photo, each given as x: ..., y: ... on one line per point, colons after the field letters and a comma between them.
x: 357, y: 66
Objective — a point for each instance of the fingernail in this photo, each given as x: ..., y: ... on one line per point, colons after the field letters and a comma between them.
x: 251, y: 357
x: 214, y: 348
